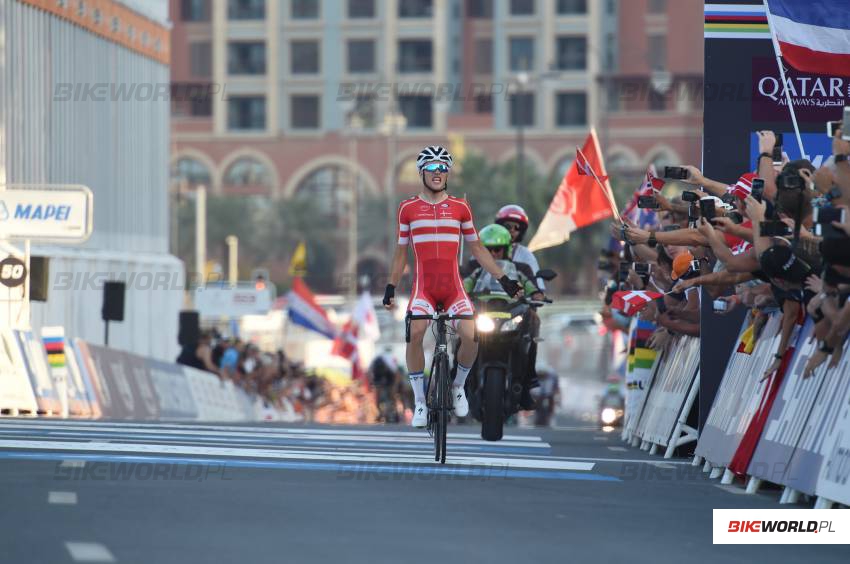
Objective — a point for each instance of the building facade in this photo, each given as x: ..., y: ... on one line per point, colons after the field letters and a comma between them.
x: 280, y: 97
x: 84, y: 100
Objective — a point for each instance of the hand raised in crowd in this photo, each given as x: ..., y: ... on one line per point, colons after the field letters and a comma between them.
x: 722, y: 224
x: 767, y: 139
x: 681, y: 285
x: 817, y: 358
x: 824, y: 179
x: 840, y: 146
x: 706, y: 228
x: 755, y: 209
x: 731, y: 303
x: 774, y: 366
x: 814, y: 284
x: 695, y: 176
x: 846, y: 225
x: 807, y: 177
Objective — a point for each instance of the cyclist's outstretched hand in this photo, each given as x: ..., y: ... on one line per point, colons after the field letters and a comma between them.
x: 511, y: 287
x: 389, y: 296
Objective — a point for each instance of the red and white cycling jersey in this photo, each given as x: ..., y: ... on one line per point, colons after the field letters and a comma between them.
x: 434, y: 230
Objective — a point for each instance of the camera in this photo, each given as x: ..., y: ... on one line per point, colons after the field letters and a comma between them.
x: 720, y: 305
x: 823, y: 219
x: 648, y: 202
x: 688, y: 196
x: 642, y: 267
x: 758, y: 189
x: 789, y: 182
x: 676, y: 173
x: 774, y: 229
x: 728, y: 198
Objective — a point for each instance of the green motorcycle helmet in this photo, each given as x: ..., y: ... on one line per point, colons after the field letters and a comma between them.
x: 495, y: 236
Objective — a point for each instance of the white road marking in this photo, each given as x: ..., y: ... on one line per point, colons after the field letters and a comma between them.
x: 600, y: 438
x: 62, y: 498
x: 290, y: 454
x: 253, y: 430
x: 89, y: 552
x: 617, y: 448
x: 366, y: 437
x: 663, y: 464
x: 72, y: 464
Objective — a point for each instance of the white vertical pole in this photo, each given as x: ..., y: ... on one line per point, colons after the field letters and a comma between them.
x: 200, y: 233
x: 778, y: 51
x: 232, y: 260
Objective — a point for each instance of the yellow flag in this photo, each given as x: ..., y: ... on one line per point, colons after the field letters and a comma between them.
x: 298, y: 264
x: 457, y: 145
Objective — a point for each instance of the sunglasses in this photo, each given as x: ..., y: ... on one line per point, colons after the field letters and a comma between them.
x: 436, y: 167
x: 512, y: 226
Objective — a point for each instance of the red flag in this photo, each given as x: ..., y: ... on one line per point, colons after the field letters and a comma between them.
x: 650, y: 187
x: 579, y: 200
x: 346, y: 346
x: 632, y: 301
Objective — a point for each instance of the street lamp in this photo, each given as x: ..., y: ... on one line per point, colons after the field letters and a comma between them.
x: 522, y: 80
x: 392, y: 125
x: 354, y: 124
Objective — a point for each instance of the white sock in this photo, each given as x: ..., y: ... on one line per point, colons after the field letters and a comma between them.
x: 460, y: 376
x: 417, y: 382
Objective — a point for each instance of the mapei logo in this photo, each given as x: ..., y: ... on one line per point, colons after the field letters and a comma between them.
x: 780, y: 527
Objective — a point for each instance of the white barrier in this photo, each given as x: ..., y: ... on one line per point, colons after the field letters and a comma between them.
x: 670, y: 392
x: 16, y: 395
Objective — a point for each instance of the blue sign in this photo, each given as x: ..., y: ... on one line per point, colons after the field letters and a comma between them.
x: 817, y: 145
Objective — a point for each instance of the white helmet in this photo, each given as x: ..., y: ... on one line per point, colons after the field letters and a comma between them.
x: 434, y: 153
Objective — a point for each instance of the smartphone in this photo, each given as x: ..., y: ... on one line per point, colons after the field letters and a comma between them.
x: 720, y: 305
x: 735, y: 217
x: 823, y: 222
x: 642, y: 267
x: 707, y: 209
x: 831, y: 127
x: 758, y: 189
x: 729, y: 198
x: 845, y: 124
x: 648, y: 202
x: 777, y: 149
x: 774, y: 229
x: 676, y: 172
x: 688, y: 196
x: 668, y: 228
x: 695, y: 266
x: 623, y: 273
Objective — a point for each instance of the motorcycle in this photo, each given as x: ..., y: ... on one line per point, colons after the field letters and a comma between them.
x: 506, y: 346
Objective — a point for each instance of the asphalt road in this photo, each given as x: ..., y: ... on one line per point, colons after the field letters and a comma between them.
x: 172, y: 493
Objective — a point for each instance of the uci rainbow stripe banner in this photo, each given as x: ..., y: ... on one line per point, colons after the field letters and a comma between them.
x: 736, y: 21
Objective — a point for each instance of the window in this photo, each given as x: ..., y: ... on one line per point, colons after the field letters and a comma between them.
x: 484, y: 56
x: 571, y: 109
x: 246, y: 57
x: 610, y: 7
x: 522, y: 109
x: 480, y: 9
x: 246, y: 9
x: 195, y: 10
x: 246, y: 171
x: 657, y: 6
x: 610, y: 52
x: 305, y: 9
x: 192, y: 171
x: 415, y: 8
x: 522, y: 7
x: 304, y: 112
x: 522, y: 53
x: 484, y: 104
x: 657, y: 52
x: 361, y: 9
x: 361, y: 55
x: 572, y: 6
x: 246, y: 113
x: 416, y: 109
x: 200, y: 59
x: 305, y: 57
x: 414, y: 55
x: 571, y: 53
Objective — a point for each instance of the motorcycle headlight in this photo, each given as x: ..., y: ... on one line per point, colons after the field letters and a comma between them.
x: 485, y: 323
x: 609, y: 415
x: 511, y: 324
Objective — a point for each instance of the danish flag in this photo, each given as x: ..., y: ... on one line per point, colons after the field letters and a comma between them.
x: 743, y: 187
x: 632, y: 301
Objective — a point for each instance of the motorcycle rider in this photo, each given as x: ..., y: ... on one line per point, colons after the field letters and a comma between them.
x: 513, y: 218
x: 497, y: 240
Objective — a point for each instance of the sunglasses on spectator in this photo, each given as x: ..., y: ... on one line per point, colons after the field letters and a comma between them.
x: 436, y: 167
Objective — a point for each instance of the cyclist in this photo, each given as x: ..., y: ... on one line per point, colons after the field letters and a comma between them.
x: 513, y: 218
x: 433, y: 222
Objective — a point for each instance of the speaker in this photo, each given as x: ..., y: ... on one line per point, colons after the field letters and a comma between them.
x: 39, y: 278
x: 113, y: 301
x: 190, y: 328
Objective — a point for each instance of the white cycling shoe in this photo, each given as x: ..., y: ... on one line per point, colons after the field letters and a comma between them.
x: 420, y: 415
x: 459, y: 400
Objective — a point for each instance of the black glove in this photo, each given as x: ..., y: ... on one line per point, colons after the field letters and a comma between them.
x: 510, y: 286
x: 389, y: 294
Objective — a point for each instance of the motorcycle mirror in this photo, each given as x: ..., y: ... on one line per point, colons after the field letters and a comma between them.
x: 547, y: 274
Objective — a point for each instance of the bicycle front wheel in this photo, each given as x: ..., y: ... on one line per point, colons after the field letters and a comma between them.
x: 445, y: 405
